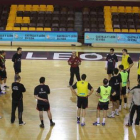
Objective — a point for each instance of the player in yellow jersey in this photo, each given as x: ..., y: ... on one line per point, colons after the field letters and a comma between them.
x: 127, y: 62
x: 82, y: 97
x: 138, y: 71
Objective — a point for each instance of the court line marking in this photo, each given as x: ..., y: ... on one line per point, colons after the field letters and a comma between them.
x: 126, y: 132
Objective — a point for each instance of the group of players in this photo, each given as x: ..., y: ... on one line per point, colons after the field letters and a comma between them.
x: 114, y: 88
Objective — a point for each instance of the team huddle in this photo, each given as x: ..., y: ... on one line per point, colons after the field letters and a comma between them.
x: 114, y: 89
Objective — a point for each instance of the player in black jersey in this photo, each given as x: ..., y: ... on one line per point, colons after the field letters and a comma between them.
x: 17, y: 61
x: 116, y: 83
x: 111, y: 63
x: 17, y: 100
x: 41, y: 94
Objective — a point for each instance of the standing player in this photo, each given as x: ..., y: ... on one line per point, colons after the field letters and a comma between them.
x: 127, y: 63
x: 103, y: 92
x: 74, y: 61
x: 17, y: 100
x: 124, y: 76
x: 17, y: 61
x: 135, y: 105
x: 111, y: 63
x: 41, y: 94
x: 82, y: 97
x: 138, y: 71
x: 116, y: 83
x: 3, y: 74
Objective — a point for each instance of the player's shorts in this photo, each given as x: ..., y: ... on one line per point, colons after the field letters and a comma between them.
x: 17, y: 70
x: 123, y: 92
x: 3, y: 74
x: 102, y: 106
x: 138, y: 76
x: 82, y: 102
x: 109, y: 71
x: 115, y: 98
x: 41, y: 107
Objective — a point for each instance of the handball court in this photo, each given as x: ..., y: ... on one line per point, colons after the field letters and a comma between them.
x: 47, y: 62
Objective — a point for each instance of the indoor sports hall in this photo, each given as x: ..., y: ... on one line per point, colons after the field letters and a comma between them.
x: 48, y: 33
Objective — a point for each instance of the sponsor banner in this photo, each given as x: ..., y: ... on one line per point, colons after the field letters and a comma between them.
x: 119, y: 38
x: 100, y: 38
x: 39, y: 36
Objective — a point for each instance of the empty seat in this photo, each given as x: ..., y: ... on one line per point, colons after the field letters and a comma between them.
x: 31, y: 28
x: 9, y: 28
x: 32, y: 25
x: 94, y: 29
x: 132, y: 30
x: 124, y: 30
x: 117, y: 30
x: 39, y: 29
x: 19, y: 13
x: 69, y: 29
x: 24, y: 28
x: 16, y: 28
x: 62, y: 29
x: 55, y: 29
x: 109, y: 30
x: 17, y: 25
x: 40, y: 24
x: 47, y: 29
x: 86, y: 30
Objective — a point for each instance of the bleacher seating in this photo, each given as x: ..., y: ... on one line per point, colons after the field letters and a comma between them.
x: 56, y: 18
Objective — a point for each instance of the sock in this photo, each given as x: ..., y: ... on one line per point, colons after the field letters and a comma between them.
x: 120, y: 101
x: 120, y: 107
x: 125, y: 105
x: 42, y: 122
x: 83, y: 119
x: 103, y: 120
x: 98, y: 120
x: 125, y: 100
x: 117, y: 110
x: 2, y: 87
x: 50, y: 120
x: 113, y: 113
x: 78, y: 118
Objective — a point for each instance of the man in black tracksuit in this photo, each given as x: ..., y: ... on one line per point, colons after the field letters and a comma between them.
x: 111, y: 63
x: 17, y: 100
x: 17, y: 61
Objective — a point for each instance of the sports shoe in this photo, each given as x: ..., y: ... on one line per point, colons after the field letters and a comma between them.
x: 78, y: 121
x: 103, y: 124
x: 52, y: 124
x: 0, y: 117
x: 136, y: 124
x: 41, y: 125
x: 82, y: 124
x: 117, y: 113
x: 23, y: 123
x: 6, y: 87
x: 120, y: 108
x: 128, y: 125
x: 96, y: 123
x: 125, y: 107
x: 3, y: 92
x: 111, y: 116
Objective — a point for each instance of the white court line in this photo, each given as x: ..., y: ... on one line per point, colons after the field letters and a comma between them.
x: 126, y: 132
x: 59, y: 89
